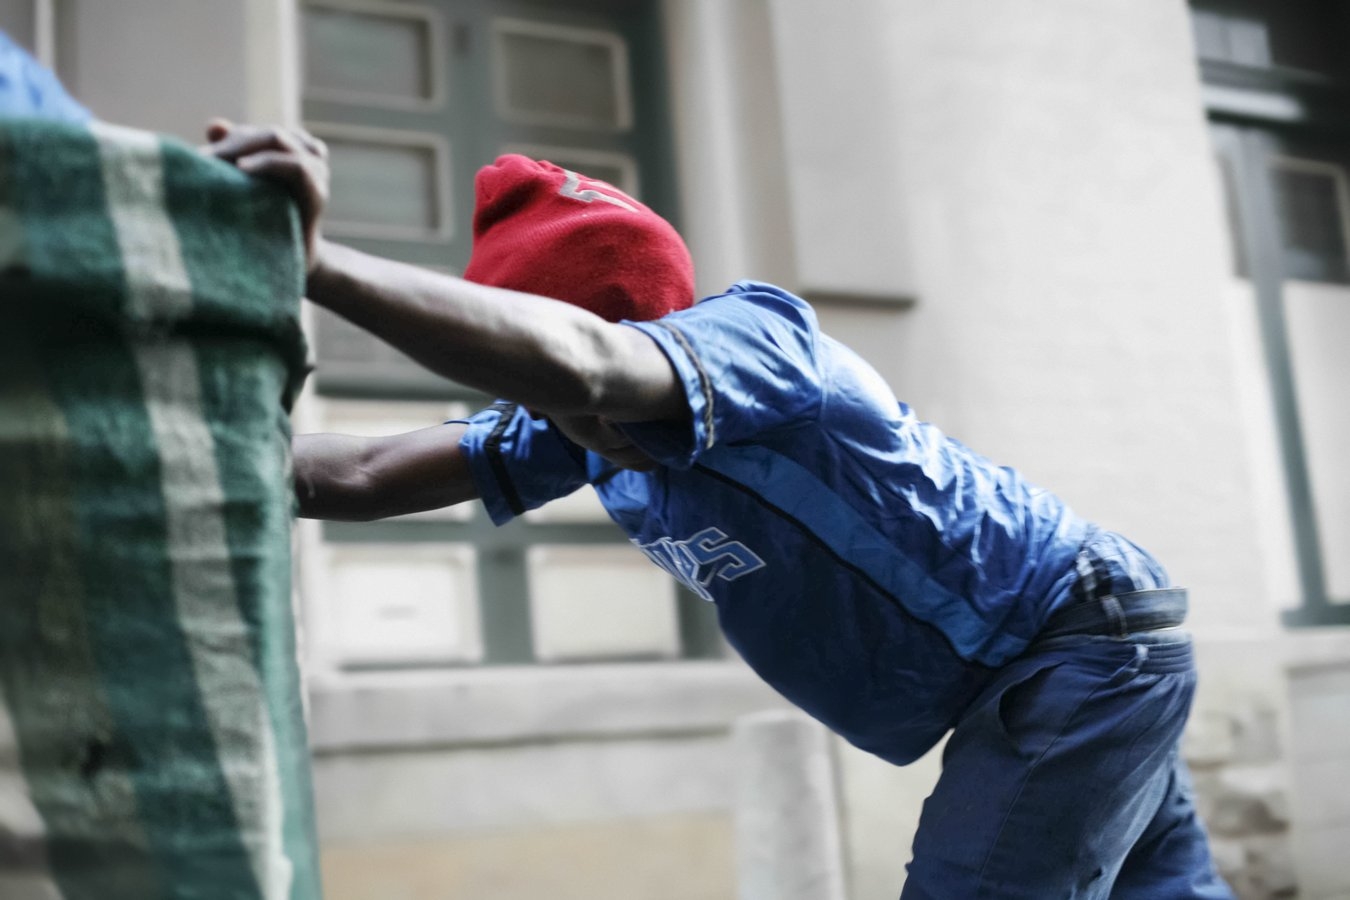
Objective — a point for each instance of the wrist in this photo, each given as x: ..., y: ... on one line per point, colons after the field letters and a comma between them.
x: 324, y: 270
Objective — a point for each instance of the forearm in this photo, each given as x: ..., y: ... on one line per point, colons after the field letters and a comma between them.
x: 543, y: 354
x: 331, y: 479
x: 357, y: 479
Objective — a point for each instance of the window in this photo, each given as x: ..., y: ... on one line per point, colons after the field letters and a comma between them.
x: 404, y: 604
x: 388, y: 184
x: 374, y: 56
x: 546, y: 74
x: 1311, y: 206
x: 412, y: 98
x: 1292, y: 36
x: 1276, y: 89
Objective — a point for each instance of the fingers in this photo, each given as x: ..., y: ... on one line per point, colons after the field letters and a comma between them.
x: 312, y: 144
x: 293, y: 158
x: 232, y: 142
x: 218, y: 128
x: 275, y: 164
x: 245, y: 140
x: 292, y: 171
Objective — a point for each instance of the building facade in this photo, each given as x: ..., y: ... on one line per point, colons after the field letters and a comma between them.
x: 1104, y: 243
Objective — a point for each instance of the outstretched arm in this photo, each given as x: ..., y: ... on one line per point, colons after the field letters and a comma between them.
x: 549, y: 356
x: 357, y: 479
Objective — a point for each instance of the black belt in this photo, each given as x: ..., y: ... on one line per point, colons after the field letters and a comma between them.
x: 1120, y: 614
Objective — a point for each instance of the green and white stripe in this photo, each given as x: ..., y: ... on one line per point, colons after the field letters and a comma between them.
x: 133, y: 177
x: 147, y: 669
x: 218, y: 638
x: 203, y: 586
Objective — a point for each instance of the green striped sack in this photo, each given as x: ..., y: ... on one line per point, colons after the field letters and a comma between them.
x: 152, y: 742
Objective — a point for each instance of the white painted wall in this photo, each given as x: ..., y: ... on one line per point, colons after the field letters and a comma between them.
x: 841, y: 133
x: 735, y: 203
x: 1319, y: 683
x: 1318, y: 317
x: 169, y: 65
x: 1268, y: 490
x: 1069, y: 255
x: 163, y: 65
x: 1045, y: 186
x: 1041, y: 173
x: 1318, y: 321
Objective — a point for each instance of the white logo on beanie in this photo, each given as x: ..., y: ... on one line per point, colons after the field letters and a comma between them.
x: 573, y: 182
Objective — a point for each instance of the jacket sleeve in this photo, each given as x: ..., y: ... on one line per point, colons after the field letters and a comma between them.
x: 747, y: 361
x: 519, y: 462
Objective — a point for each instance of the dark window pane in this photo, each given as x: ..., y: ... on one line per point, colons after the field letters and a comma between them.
x: 1291, y: 34
x: 1233, y: 38
x: 1312, y: 223
x: 560, y: 79
x: 367, y: 55
x: 387, y: 186
x: 1308, y: 34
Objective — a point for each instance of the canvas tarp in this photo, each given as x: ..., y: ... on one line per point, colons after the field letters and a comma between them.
x: 152, y: 743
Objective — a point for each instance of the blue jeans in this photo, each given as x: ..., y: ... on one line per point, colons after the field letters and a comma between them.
x: 1064, y: 778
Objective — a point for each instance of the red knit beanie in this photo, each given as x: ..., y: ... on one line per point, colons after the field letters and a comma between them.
x: 545, y: 230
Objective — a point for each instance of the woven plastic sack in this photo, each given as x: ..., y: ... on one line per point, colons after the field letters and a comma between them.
x: 152, y: 743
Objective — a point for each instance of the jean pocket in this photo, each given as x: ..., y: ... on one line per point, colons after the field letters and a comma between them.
x: 1027, y: 716
x: 1036, y: 706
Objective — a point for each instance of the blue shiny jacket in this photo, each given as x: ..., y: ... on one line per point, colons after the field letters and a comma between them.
x: 872, y: 569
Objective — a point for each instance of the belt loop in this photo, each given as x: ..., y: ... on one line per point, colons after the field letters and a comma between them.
x: 1116, y: 613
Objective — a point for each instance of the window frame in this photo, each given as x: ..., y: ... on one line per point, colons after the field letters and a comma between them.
x: 441, y: 149
x: 437, y: 50
x: 622, y: 73
x: 476, y: 132
x: 1250, y: 109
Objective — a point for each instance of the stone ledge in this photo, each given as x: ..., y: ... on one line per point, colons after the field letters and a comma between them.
x: 385, y: 710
